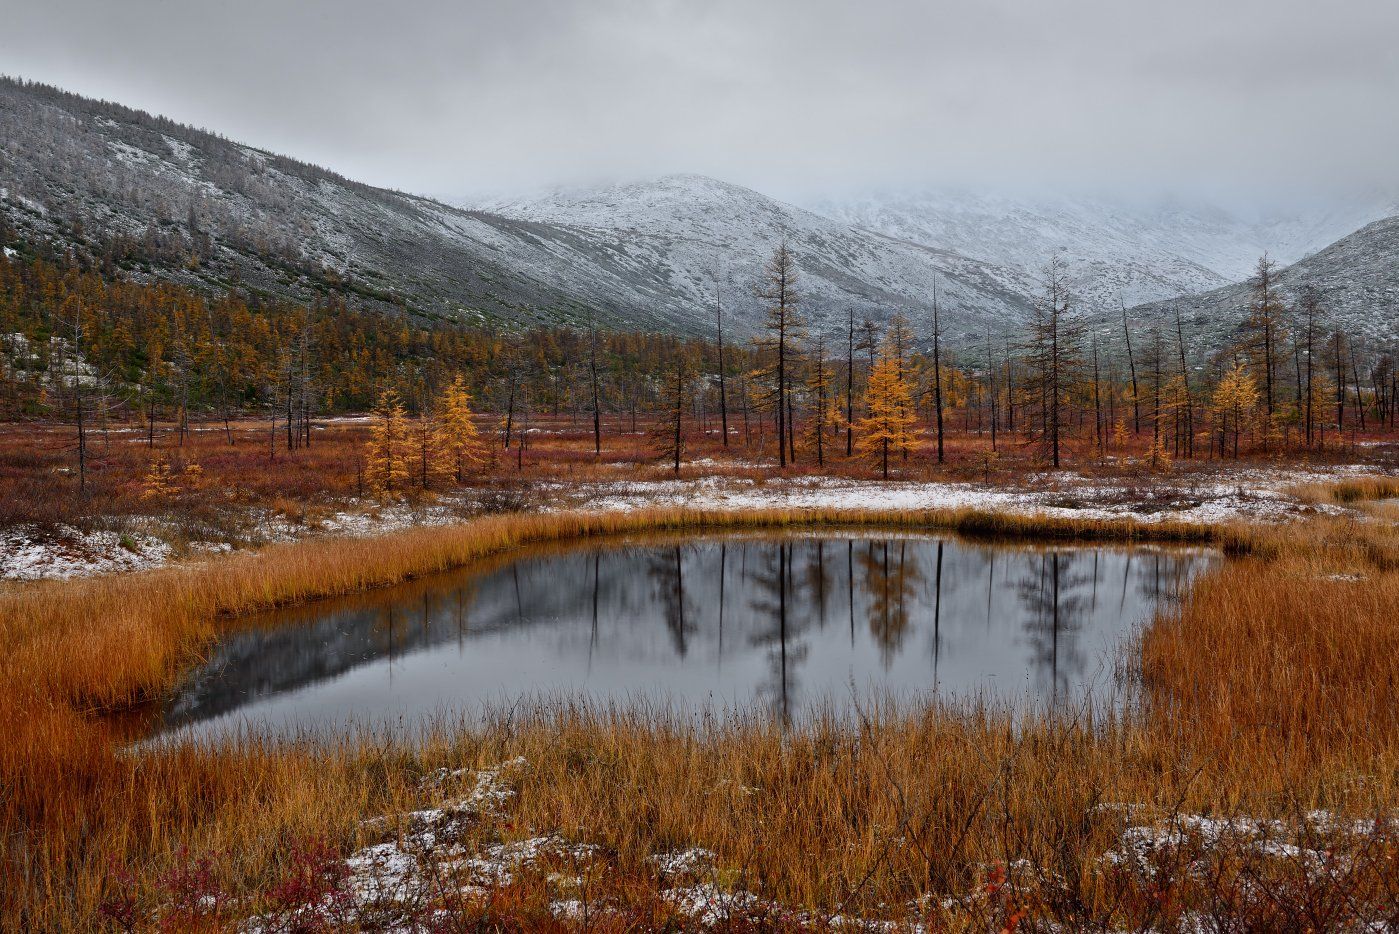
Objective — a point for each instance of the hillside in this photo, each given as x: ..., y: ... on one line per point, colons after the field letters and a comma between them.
x: 153, y: 199
x: 1136, y: 251
x: 679, y: 230
x: 1358, y: 277
x: 156, y: 199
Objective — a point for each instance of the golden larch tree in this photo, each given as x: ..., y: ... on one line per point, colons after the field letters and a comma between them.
x: 889, y: 425
x: 1235, y: 401
x: 459, y: 438
x: 388, y: 449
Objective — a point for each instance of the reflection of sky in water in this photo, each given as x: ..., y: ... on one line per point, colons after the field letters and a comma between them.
x: 784, y: 623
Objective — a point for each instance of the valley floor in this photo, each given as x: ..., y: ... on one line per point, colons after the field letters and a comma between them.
x: 1218, y: 495
x: 1254, y: 789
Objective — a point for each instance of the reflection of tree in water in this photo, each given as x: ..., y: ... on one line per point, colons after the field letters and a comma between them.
x: 774, y: 599
x: 667, y: 570
x: 889, y: 578
x: 1054, y: 617
x: 818, y: 579
x: 1161, y: 576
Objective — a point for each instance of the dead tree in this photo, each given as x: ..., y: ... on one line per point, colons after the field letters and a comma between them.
x: 937, y: 369
x: 593, y: 379
x: 1054, y: 356
x: 1189, y: 447
x: 1132, y: 367
x: 779, y: 290
x: 719, y: 340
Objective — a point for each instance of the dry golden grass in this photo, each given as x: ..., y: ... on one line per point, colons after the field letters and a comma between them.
x: 1269, y: 691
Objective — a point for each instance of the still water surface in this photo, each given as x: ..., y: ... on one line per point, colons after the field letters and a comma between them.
x: 786, y: 624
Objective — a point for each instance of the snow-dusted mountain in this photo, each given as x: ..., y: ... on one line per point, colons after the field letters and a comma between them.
x: 1357, y: 278
x: 680, y: 231
x: 154, y: 199
x: 1136, y: 251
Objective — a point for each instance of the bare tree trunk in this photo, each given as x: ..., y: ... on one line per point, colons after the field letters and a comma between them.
x: 1185, y: 388
x: 937, y: 369
x: 723, y: 386
x: 597, y: 409
x: 510, y: 408
x: 78, y: 397
x: 1359, y: 401
x: 850, y: 385
x: 1132, y: 363
x: 1097, y: 401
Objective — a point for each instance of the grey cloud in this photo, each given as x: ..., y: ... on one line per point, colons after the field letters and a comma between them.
x: 797, y: 97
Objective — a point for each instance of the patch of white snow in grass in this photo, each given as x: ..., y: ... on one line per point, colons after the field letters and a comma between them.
x: 28, y: 553
x: 1250, y: 494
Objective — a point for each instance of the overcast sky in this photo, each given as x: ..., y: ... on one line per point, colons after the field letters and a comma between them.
x: 799, y: 98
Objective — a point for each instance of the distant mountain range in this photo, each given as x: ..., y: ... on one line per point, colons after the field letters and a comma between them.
x: 1127, y: 251
x: 156, y: 199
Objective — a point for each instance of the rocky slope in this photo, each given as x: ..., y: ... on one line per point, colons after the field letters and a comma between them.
x: 1138, y: 252
x: 158, y: 199
x: 1357, y: 276
x: 155, y: 199
x: 683, y: 231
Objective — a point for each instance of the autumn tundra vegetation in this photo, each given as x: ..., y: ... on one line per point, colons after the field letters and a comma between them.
x: 1252, y: 785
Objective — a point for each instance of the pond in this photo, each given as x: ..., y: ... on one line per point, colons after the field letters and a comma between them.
x: 789, y: 624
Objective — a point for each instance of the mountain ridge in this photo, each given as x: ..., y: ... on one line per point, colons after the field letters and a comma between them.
x: 155, y: 199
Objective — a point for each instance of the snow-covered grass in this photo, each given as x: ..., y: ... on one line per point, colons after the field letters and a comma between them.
x: 441, y: 866
x: 29, y: 553
x: 1228, y: 495
x: 1207, y: 498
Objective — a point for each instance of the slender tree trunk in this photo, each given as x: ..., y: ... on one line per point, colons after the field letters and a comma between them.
x: 1097, y: 401
x: 1185, y: 389
x: 1132, y: 364
x: 850, y: 385
x: 597, y: 409
x: 723, y: 387
x: 510, y: 410
x: 937, y: 369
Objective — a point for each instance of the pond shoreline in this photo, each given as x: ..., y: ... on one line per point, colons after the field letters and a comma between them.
x: 105, y: 642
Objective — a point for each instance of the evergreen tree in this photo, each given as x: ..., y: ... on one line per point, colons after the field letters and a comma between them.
x: 819, y: 386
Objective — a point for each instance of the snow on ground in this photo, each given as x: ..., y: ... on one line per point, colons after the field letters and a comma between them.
x: 29, y: 553
x: 1251, y: 494
x: 449, y: 857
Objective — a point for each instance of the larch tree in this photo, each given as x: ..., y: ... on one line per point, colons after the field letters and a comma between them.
x: 388, y: 450
x: 593, y: 381
x: 719, y: 343
x: 889, y: 424
x: 778, y: 290
x: 850, y: 383
x: 433, y: 462
x: 1234, y: 401
x: 937, y: 372
x: 1188, y: 447
x: 818, y: 387
x: 459, y: 437
x: 1262, y: 328
x: 1054, y: 356
x: 1132, y: 369
x: 670, y: 428
x: 898, y: 337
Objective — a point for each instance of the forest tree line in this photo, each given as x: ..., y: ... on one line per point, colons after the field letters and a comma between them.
x: 89, y: 347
